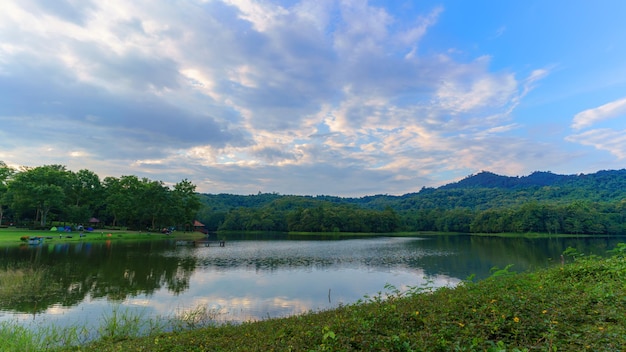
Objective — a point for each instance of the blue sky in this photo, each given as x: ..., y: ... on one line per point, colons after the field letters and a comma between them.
x: 347, y: 98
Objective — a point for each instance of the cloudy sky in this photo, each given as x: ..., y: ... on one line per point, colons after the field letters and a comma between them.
x: 310, y: 97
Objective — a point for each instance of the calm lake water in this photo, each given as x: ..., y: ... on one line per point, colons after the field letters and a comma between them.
x: 254, y: 278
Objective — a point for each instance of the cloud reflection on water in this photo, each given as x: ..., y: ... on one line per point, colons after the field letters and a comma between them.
x: 253, y: 280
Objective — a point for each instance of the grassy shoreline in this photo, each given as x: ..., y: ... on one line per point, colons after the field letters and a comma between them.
x: 576, y: 307
x: 413, y: 234
x: 11, y: 236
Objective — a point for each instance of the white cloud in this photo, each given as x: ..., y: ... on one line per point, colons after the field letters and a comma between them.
x: 465, y: 88
x: 226, y: 90
x: 603, y: 139
x: 607, y: 111
x: 412, y: 36
x: 263, y: 15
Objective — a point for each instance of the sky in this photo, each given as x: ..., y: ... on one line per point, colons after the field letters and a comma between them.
x: 313, y: 97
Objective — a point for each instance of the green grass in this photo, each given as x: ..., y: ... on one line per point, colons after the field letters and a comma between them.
x: 18, y: 338
x: 12, y: 236
x: 432, y: 233
x: 576, y: 307
x: 115, y: 325
x: 532, y: 235
x: 394, y: 234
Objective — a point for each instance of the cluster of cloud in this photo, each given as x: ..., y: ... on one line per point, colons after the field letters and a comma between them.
x: 240, y: 96
x: 610, y: 139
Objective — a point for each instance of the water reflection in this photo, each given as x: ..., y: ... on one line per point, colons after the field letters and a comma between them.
x: 250, y: 278
x: 66, y: 274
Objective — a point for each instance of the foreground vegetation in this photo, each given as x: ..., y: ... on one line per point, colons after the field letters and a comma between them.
x: 574, y: 307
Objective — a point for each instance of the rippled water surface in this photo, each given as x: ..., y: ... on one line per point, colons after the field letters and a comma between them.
x: 249, y: 279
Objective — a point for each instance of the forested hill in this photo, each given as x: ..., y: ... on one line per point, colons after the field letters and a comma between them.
x: 488, y: 190
x: 485, y: 202
x: 481, y: 191
x: 486, y: 179
x: 606, y: 180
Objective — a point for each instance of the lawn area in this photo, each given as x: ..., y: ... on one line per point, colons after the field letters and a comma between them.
x: 12, y: 236
x: 575, y: 307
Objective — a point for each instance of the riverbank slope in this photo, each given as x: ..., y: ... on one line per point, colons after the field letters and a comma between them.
x: 575, y: 307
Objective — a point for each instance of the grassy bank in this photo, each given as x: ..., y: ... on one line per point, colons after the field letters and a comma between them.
x: 226, y: 234
x: 534, y: 235
x: 12, y: 236
x: 576, y: 307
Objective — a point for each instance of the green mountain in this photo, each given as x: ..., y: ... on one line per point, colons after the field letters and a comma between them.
x: 485, y: 202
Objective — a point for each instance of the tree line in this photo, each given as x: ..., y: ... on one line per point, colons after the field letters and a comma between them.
x: 310, y: 215
x: 483, y: 203
x: 321, y: 218
x: 578, y: 217
x: 37, y: 196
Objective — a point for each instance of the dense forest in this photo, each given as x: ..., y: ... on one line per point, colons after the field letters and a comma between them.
x: 482, y: 203
x: 485, y: 203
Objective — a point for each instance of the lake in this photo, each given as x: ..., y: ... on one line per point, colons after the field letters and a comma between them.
x: 253, y: 277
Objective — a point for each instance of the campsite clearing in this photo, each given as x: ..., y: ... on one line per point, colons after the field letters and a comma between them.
x: 17, y: 236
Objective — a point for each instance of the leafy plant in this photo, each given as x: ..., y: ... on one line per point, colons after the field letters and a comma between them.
x: 496, y: 272
x: 119, y: 324
x: 620, y: 249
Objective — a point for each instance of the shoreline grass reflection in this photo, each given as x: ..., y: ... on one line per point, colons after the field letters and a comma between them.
x: 117, y: 324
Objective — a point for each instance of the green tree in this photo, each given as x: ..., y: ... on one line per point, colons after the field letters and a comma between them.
x: 155, y: 203
x: 84, y: 195
x: 42, y: 188
x: 5, y: 176
x: 530, y: 218
x: 235, y: 220
x: 186, y: 203
x: 121, y: 195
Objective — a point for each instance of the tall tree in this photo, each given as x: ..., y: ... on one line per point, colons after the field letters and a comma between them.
x: 186, y: 202
x: 155, y: 200
x: 84, y: 186
x: 5, y: 176
x: 41, y: 187
x: 122, y: 196
x: 84, y: 195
